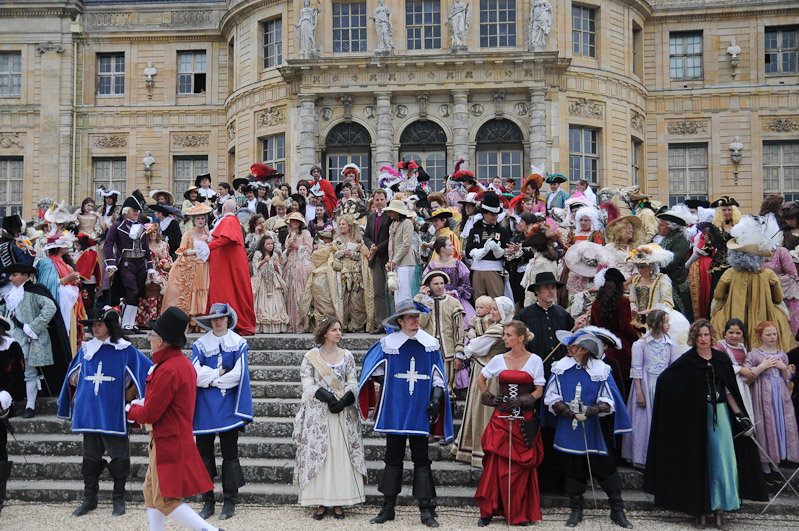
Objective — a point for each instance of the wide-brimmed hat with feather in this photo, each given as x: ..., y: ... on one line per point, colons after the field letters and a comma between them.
x: 751, y: 235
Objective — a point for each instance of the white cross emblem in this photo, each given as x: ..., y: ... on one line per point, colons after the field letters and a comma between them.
x: 98, y: 378
x: 411, y: 376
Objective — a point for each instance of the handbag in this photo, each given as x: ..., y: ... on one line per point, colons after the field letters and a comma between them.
x: 392, y: 281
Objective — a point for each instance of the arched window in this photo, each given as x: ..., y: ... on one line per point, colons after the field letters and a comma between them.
x: 426, y: 142
x: 348, y: 142
x: 500, y: 151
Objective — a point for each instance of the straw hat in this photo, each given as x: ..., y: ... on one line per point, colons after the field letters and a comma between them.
x: 396, y: 205
x: 296, y: 216
x: 199, y: 209
x: 586, y: 258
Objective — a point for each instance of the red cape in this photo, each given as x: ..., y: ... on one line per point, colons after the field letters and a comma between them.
x: 171, y: 390
x: 230, y: 273
x: 88, y: 264
x: 329, y: 198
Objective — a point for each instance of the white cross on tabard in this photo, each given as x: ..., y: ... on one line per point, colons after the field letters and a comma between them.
x: 98, y: 378
x: 411, y: 376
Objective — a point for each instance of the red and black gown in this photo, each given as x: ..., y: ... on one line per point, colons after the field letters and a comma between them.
x: 492, y: 492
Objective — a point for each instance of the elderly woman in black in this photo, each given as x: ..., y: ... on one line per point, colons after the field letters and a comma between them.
x: 694, y: 464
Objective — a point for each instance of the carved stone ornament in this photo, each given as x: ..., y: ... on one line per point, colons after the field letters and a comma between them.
x: 521, y: 109
x: 499, y: 103
x: 271, y: 117
x: 421, y: 100
x: 111, y: 141
x: 476, y: 109
x: 326, y: 113
x: 190, y: 141
x: 444, y: 111
x: 8, y: 140
x: 687, y: 128
x: 402, y: 111
x: 231, y: 131
x: 781, y: 125
x: 586, y: 109
x: 49, y: 46
x: 346, y: 102
x: 369, y: 112
x: 637, y: 122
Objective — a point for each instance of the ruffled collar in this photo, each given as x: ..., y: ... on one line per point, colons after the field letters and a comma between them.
x: 91, y: 347
x: 206, y: 192
x: 596, y: 369
x: 209, y: 344
x: 13, y: 295
x: 392, y: 343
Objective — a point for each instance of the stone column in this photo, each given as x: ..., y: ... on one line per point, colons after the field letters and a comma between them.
x: 307, y: 154
x: 383, y: 143
x: 538, y: 128
x: 460, y: 127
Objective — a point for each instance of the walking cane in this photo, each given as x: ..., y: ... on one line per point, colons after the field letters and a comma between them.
x: 559, y: 344
x: 510, y: 419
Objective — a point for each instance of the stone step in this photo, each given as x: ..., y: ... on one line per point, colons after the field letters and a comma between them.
x: 279, y: 342
x: 53, y: 491
x: 292, y: 358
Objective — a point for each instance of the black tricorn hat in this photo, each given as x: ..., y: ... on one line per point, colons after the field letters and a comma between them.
x: 19, y: 268
x: 201, y: 177
x: 696, y: 203
x: 171, y: 326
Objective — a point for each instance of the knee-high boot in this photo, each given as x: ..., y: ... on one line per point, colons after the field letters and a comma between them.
x: 91, y: 486
x: 390, y: 486
x: 119, y: 470
x: 612, y: 487
x: 575, y: 490
x: 232, y: 481
x: 424, y: 490
x: 208, y: 497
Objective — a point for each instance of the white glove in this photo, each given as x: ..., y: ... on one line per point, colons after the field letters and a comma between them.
x: 151, y: 271
x: 5, y: 400
x: 478, y: 254
x: 111, y: 269
x: 29, y: 332
x: 137, y: 402
x: 496, y: 249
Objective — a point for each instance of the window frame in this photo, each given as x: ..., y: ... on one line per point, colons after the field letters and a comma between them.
x: 12, y: 75
x: 362, y: 30
x: 276, y: 55
x: 8, y: 166
x: 583, y: 156
x: 636, y: 147
x: 779, y: 51
x: 193, y: 171
x: 272, y: 158
x: 113, y: 76
x: 193, y: 73
x: 790, y: 194
x: 675, y: 198
x: 508, y: 24
x: 434, y: 26
x: 683, y: 35
x: 504, y: 170
x: 582, y: 35
x: 637, y: 49
x: 113, y: 182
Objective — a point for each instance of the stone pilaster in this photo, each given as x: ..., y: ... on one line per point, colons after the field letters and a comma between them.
x: 460, y: 127
x: 383, y: 142
x: 307, y: 152
x: 538, y: 128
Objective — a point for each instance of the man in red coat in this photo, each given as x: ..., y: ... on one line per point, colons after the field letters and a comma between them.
x: 329, y: 199
x: 229, y: 268
x: 175, y: 470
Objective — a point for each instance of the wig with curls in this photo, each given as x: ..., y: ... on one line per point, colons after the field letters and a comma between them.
x: 718, y: 217
x: 745, y: 261
x: 590, y: 213
x: 439, y: 198
x: 352, y: 222
x: 616, y: 234
x: 771, y: 204
x: 698, y: 325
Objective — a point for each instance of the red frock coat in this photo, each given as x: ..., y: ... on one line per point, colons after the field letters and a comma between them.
x: 169, y: 407
x: 329, y: 198
x: 230, y: 273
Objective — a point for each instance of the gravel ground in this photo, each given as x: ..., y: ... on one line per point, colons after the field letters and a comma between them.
x: 47, y: 517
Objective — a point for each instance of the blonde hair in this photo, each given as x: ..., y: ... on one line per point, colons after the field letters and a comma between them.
x: 718, y: 217
x: 616, y: 234
x: 485, y: 300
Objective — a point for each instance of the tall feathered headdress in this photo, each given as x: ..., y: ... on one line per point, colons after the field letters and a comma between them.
x: 751, y: 235
x: 607, y: 337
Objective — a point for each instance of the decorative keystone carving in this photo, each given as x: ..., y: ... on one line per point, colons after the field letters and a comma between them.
x: 637, y: 122
x: 499, y: 103
x: 231, y: 131
x: 346, y: 102
x: 688, y: 127
x: 190, y: 141
x: 270, y: 117
x: 476, y: 109
x: 421, y: 100
x: 49, y: 46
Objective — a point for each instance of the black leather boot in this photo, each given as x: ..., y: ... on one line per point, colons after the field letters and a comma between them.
x: 424, y: 490
x: 576, y: 503
x: 5, y: 473
x: 91, y: 486
x: 612, y: 487
x: 390, y: 486
x: 119, y: 471
x: 208, y: 505
x: 232, y: 481
x: 229, y: 506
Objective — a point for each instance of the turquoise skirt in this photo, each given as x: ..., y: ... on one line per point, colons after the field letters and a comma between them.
x: 721, y: 465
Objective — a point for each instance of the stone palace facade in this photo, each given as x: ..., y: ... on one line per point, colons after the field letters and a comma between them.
x: 687, y: 98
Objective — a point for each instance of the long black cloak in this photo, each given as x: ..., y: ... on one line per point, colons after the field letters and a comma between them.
x: 676, y: 465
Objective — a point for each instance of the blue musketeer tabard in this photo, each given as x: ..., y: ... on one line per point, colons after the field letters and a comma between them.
x: 410, y: 366
x: 98, y: 376
x: 223, y: 402
x: 595, y: 385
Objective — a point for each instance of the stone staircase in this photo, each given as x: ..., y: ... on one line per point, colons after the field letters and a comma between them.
x: 47, y: 454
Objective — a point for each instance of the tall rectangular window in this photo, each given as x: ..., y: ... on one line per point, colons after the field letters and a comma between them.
x: 503, y: 163
x: 273, y: 152
x: 635, y: 165
x: 584, y: 154
x: 186, y: 169
x: 781, y: 50
x: 273, y: 42
x: 10, y: 73
x: 781, y: 169
x: 688, y: 172
x: 497, y: 23
x: 10, y: 185
x: 637, y: 45
x: 583, y: 31
x: 423, y: 24
x: 110, y: 74
x: 349, y: 27
x: 191, y: 72
x: 685, y: 55
x: 111, y: 173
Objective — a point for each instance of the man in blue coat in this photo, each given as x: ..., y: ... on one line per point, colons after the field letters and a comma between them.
x: 106, y: 372
x: 412, y: 404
